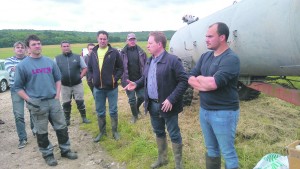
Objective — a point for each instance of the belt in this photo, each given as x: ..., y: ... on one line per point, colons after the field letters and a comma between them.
x: 47, y: 99
x: 154, y: 100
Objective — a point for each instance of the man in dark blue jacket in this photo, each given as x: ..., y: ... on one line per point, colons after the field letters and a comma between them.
x: 165, y: 82
x: 105, y: 68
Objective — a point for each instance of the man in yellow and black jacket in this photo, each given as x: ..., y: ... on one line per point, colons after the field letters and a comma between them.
x: 105, y: 68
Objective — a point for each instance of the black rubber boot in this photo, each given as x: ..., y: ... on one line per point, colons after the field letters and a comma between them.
x: 177, y: 151
x: 162, y: 153
x: 68, y: 117
x: 83, y: 116
x: 134, y: 112
x: 213, y: 162
x: 114, y: 126
x: 102, y: 128
x: 81, y: 108
x: 67, y: 110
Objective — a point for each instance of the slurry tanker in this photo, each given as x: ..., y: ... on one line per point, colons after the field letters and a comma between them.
x: 266, y: 37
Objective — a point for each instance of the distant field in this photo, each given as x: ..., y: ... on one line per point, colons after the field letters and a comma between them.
x: 54, y: 50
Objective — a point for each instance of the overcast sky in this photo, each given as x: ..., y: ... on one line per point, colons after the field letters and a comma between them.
x: 109, y: 15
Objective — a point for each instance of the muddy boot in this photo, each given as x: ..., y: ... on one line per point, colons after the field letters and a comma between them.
x: 134, y: 112
x: 83, y: 116
x: 177, y: 151
x: 114, y: 126
x: 70, y: 155
x: 213, y: 162
x: 64, y: 144
x: 102, y: 128
x: 50, y: 160
x: 162, y: 153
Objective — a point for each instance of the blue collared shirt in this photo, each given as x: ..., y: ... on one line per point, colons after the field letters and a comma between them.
x: 152, y: 83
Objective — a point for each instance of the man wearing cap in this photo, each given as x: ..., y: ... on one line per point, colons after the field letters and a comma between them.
x: 134, y: 59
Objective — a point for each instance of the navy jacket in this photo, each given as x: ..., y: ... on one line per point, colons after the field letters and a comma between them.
x: 171, y: 82
x: 111, y: 72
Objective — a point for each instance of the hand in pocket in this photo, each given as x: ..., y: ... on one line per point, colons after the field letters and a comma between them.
x: 34, y: 104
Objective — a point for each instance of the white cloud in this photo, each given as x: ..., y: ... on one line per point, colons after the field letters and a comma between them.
x: 111, y: 15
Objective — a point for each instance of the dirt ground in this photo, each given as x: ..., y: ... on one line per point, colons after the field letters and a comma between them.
x: 90, y: 154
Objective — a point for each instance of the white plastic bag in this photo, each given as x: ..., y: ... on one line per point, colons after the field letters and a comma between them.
x: 273, y: 161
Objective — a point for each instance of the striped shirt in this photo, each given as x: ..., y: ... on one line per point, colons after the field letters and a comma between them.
x: 10, y: 66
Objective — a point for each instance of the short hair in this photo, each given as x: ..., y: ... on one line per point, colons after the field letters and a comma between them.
x: 159, y: 37
x: 102, y: 32
x: 222, y: 29
x: 64, y: 41
x: 31, y: 38
x: 90, y: 44
x: 19, y: 43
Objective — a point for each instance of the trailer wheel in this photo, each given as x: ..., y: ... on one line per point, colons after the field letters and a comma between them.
x: 188, y: 95
x: 246, y: 93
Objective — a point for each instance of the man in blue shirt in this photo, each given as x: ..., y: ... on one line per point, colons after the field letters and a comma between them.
x: 216, y: 77
x: 165, y: 82
x: 38, y: 82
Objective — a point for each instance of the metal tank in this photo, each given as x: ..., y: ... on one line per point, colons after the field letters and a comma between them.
x: 264, y: 34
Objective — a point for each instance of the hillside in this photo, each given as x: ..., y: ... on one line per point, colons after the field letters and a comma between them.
x: 49, y: 37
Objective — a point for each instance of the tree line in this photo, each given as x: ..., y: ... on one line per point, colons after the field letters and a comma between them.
x: 51, y: 37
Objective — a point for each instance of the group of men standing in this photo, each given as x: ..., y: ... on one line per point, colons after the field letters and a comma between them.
x: 159, y: 81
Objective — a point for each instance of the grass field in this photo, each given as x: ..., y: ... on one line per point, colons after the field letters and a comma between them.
x: 266, y: 125
x: 54, y: 50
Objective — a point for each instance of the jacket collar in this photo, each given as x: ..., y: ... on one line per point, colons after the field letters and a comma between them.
x: 162, y: 59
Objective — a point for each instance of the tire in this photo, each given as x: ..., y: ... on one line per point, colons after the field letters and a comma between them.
x: 188, y: 95
x: 3, y: 86
x: 246, y: 93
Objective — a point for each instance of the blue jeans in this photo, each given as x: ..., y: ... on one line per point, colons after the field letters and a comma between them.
x: 18, y: 110
x: 219, y: 128
x: 100, y: 100
x: 135, y: 96
x: 159, y: 123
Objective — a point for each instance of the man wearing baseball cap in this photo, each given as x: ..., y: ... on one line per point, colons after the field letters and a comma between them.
x: 134, y: 59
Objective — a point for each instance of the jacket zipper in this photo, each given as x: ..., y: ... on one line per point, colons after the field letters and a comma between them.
x: 69, y: 70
